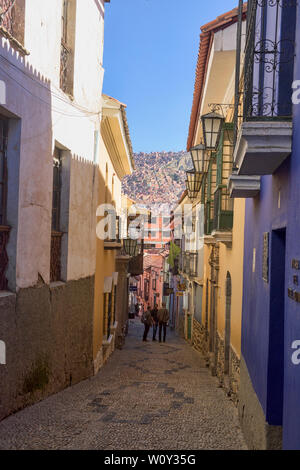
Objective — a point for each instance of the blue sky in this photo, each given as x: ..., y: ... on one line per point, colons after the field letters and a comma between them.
x: 150, y: 55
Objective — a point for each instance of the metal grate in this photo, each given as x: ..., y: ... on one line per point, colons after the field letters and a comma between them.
x: 55, y: 262
x: 7, y: 15
x: 56, y: 237
x: 269, y: 59
x: 3, y: 170
x: 64, y: 64
x: 223, y: 210
x: 193, y: 264
x: 4, y: 230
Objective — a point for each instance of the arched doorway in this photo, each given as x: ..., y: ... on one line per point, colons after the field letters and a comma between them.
x: 227, y: 323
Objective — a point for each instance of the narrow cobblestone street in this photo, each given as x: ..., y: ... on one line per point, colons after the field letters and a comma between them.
x: 148, y: 396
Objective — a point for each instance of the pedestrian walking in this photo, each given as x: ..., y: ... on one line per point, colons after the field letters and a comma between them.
x: 154, y: 314
x: 148, y: 322
x: 163, y: 319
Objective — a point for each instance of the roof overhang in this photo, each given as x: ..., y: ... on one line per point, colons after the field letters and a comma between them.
x: 115, y: 134
x: 215, y: 65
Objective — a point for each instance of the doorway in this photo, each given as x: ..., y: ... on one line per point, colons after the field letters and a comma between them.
x: 276, y: 328
x: 227, y: 323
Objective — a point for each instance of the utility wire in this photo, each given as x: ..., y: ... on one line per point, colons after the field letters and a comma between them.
x: 81, y: 108
x: 47, y: 103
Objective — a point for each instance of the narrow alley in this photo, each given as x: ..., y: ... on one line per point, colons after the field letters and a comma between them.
x: 148, y: 396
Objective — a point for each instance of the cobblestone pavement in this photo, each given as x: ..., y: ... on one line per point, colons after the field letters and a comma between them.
x: 149, y: 396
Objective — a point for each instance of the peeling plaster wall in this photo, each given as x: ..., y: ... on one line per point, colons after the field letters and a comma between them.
x: 49, y: 117
x: 47, y: 332
x: 48, y: 329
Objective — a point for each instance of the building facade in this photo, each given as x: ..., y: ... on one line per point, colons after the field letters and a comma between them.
x: 111, y: 280
x: 51, y: 105
x: 267, y: 174
x: 213, y: 300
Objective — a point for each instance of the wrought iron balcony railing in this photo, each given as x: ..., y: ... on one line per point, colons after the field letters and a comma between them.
x: 55, y: 262
x: 269, y: 59
x: 4, y: 236
x: 208, y: 223
x: 193, y: 264
x: 64, y: 68
x: 7, y: 15
x: 223, y: 210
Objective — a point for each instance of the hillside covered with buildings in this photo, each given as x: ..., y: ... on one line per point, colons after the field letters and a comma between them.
x: 159, y: 177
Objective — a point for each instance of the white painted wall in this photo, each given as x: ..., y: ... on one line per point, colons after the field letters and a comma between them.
x: 48, y: 116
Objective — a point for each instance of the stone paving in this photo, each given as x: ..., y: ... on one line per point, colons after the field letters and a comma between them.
x: 149, y: 396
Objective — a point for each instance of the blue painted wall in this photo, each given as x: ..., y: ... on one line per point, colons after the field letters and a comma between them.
x: 265, y: 321
x: 291, y: 418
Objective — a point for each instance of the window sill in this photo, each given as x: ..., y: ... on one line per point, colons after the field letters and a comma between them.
x: 6, y: 293
x: 112, y: 245
x: 107, y: 342
x: 57, y: 284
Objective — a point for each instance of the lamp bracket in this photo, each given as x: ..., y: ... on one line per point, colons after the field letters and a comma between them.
x: 220, y: 107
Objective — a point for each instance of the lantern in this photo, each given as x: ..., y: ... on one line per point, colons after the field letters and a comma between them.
x: 194, y: 181
x: 199, y: 158
x: 212, y: 127
x: 130, y: 247
x: 192, y: 194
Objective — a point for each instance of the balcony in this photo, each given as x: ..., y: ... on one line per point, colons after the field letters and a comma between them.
x: 244, y: 186
x: 262, y: 147
x: 222, y: 222
x: 186, y: 263
x: 265, y: 134
x: 136, y: 265
x: 114, y: 243
x: 193, y: 265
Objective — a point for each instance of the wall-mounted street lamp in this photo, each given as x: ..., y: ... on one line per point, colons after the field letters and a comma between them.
x: 192, y: 195
x: 130, y: 247
x: 194, y: 181
x: 199, y: 158
x: 212, y: 127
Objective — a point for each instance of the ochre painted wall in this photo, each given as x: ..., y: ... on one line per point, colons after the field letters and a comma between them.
x: 105, y: 260
x: 230, y: 260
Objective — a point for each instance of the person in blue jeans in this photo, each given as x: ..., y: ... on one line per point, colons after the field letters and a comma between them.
x: 154, y: 313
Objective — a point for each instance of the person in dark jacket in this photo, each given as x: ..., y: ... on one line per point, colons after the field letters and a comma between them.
x: 148, y: 322
x: 163, y: 319
x: 154, y: 314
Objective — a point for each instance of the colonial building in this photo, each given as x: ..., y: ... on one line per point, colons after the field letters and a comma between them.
x: 212, y: 267
x: 266, y: 158
x: 50, y: 114
x: 111, y: 281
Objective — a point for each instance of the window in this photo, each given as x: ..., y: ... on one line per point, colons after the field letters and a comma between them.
x: 107, y: 317
x: 13, y: 18
x: 68, y: 22
x: 56, y: 238
x: 3, y: 170
x: 4, y: 229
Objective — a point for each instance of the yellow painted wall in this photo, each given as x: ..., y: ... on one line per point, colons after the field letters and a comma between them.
x: 105, y: 260
x: 206, y: 295
x: 231, y: 260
